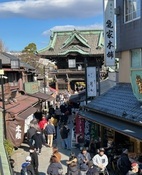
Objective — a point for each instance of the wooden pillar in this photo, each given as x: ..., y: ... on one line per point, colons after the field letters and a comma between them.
x: 138, y: 147
x: 56, y: 84
x: 68, y: 86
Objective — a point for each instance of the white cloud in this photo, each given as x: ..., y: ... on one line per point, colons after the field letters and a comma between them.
x: 72, y: 27
x: 51, y: 8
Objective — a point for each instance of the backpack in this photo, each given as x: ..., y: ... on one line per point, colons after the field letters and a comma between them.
x: 119, y: 163
x: 24, y: 171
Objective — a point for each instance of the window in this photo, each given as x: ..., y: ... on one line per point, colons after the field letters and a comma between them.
x: 132, y: 10
x: 136, y: 58
x: 72, y: 63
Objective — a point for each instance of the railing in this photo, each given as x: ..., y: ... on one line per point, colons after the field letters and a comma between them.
x: 1, y: 168
x: 66, y: 70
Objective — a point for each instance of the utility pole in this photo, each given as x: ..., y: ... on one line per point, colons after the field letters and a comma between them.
x: 44, y: 79
x: 86, y: 92
x: 3, y: 98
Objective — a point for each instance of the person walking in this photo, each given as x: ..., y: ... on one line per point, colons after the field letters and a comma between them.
x: 34, y: 159
x: 100, y: 161
x: 72, y: 165
x: 123, y: 163
x: 30, y: 133
x: 42, y: 124
x: 27, y: 168
x: 38, y: 141
x: 64, y: 132
x: 134, y: 169
x: 50, y: 132
x: 83, y: 160
x: 56, y: 153
x: 55, y: 167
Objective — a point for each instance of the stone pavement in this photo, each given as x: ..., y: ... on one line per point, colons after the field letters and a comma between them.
x: 20, y: 155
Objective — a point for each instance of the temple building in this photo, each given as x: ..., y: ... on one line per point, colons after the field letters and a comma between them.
x: 71, y: 50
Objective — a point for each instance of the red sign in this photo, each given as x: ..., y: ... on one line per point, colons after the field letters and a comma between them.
x: 80, y: 127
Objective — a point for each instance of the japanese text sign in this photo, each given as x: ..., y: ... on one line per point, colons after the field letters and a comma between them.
x: 109, y: 33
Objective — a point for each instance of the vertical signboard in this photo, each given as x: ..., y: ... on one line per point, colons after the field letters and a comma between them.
x: 87, y: 130
x: 109, y: 33
x: 80, y: 122
x: 91, y: 81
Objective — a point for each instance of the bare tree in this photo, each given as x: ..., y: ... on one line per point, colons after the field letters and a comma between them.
x: 2, y: 46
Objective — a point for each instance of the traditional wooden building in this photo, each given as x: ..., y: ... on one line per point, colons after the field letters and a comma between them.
x: 20, y: 97
x: 69, y: 50
x: 117, y: 114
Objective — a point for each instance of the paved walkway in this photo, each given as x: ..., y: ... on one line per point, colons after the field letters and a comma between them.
x: 20, y: 155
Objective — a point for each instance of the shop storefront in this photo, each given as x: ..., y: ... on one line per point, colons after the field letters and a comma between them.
x: 117, y: 113
x: 18, y: 117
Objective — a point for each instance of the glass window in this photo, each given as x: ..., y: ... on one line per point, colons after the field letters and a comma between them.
x: 72, y: 63
x: 132, y: 10
x: 136, y: 58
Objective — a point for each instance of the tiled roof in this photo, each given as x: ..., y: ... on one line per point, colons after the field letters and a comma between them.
x: 118, y: 102
x: 87, y: 40
x: 6, y: 58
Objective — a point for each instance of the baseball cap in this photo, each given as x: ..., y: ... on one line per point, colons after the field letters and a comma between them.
x: 102, y: 150
x: 28, y: 158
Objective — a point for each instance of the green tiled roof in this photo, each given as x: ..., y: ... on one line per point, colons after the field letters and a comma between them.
x: 79, y: 37
x: 88, y: 41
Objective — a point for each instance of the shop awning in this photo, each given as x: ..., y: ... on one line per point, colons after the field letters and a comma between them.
x: 27, y: 112
x: 21, y: 105
x: 121, y: 126
x: 41, y: 95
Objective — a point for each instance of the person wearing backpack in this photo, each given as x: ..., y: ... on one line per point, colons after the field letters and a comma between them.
x: 34, y: 159
x: 72, y: 165
x: 55, y: 167
x: 27, y: 168
x: 123, y: 163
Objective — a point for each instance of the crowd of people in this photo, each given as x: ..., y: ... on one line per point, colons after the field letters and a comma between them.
x: 44, y: 131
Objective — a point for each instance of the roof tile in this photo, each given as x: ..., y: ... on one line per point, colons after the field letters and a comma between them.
x: 120, y: 102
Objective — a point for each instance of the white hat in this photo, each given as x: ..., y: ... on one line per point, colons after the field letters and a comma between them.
x: 28, y: 158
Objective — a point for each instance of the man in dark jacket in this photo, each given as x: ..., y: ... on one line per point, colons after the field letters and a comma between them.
x: 50, y: 132
x: 31, y: 131
x: 124, y: 164
x: 34, y: 159
x: 64, y: 132
x: 38, y: 141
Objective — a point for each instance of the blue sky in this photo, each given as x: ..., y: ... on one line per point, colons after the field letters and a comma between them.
x: 26, y: 21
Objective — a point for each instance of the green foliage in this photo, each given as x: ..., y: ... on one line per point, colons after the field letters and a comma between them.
x: 31, y: 48
x: 8, y: 147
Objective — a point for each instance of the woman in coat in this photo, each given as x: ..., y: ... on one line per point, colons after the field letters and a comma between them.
x: 55, y: 167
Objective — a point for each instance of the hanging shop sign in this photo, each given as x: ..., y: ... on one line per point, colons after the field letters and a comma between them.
x: 91, y: 81
x: 136, y: 82
x: 109, y: 33
x: 80, y: 128
x: 31, y: 87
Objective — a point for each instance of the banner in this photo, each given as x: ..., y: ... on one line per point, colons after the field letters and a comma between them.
x: 80, y: 122
x: 87, y: 130
x: 136, y: 82
x: 91, y: 81
x: 109, y: 33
